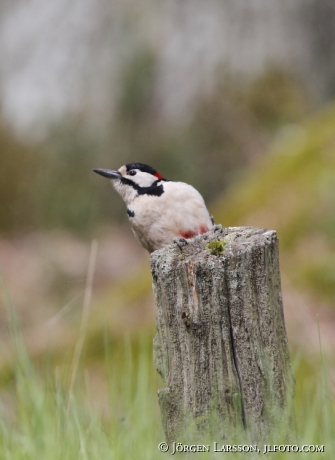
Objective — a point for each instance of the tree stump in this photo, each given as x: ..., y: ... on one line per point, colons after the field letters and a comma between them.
x: 221, y: 345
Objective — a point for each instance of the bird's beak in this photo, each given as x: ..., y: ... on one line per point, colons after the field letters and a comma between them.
x: 110, y: 173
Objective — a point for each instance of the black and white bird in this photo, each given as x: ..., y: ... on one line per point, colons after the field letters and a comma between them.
x: 159, y: 210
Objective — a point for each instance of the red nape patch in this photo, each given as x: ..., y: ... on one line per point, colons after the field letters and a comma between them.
x: 158, y: 175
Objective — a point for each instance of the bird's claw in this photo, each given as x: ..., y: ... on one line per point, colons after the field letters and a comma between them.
x: 180, y: 242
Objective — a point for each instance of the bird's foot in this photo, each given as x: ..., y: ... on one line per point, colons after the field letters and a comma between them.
x: 180, y: 242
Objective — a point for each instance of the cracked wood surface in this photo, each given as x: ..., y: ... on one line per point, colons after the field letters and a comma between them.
x: 221, y: 345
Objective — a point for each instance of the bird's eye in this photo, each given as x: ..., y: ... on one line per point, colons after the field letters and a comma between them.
x: 132, y: 172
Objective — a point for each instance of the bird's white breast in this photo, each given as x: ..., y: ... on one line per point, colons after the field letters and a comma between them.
x: 158, y: 219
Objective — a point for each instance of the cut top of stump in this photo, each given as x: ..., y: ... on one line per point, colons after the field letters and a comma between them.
x: 218, y: 241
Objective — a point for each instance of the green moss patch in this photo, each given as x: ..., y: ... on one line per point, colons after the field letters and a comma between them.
x: 216, y: 247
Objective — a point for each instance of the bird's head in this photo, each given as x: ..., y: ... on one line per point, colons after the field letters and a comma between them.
x: 134, y: 179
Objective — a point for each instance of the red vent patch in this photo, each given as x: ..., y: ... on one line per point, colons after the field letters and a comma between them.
x: 190, y: 233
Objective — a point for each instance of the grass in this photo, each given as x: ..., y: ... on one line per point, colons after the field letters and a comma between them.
x: 47, y: 412
x: 47, y: 409
x: 46, y: 420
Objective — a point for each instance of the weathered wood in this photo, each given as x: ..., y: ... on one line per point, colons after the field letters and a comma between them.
x: 221, y: 345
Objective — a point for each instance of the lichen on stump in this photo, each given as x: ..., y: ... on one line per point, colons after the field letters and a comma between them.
x: 221, y: 345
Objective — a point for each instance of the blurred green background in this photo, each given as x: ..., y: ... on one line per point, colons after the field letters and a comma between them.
x: 249, y: 122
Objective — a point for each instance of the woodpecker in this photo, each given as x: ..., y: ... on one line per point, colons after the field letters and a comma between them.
x: 158, y: 209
